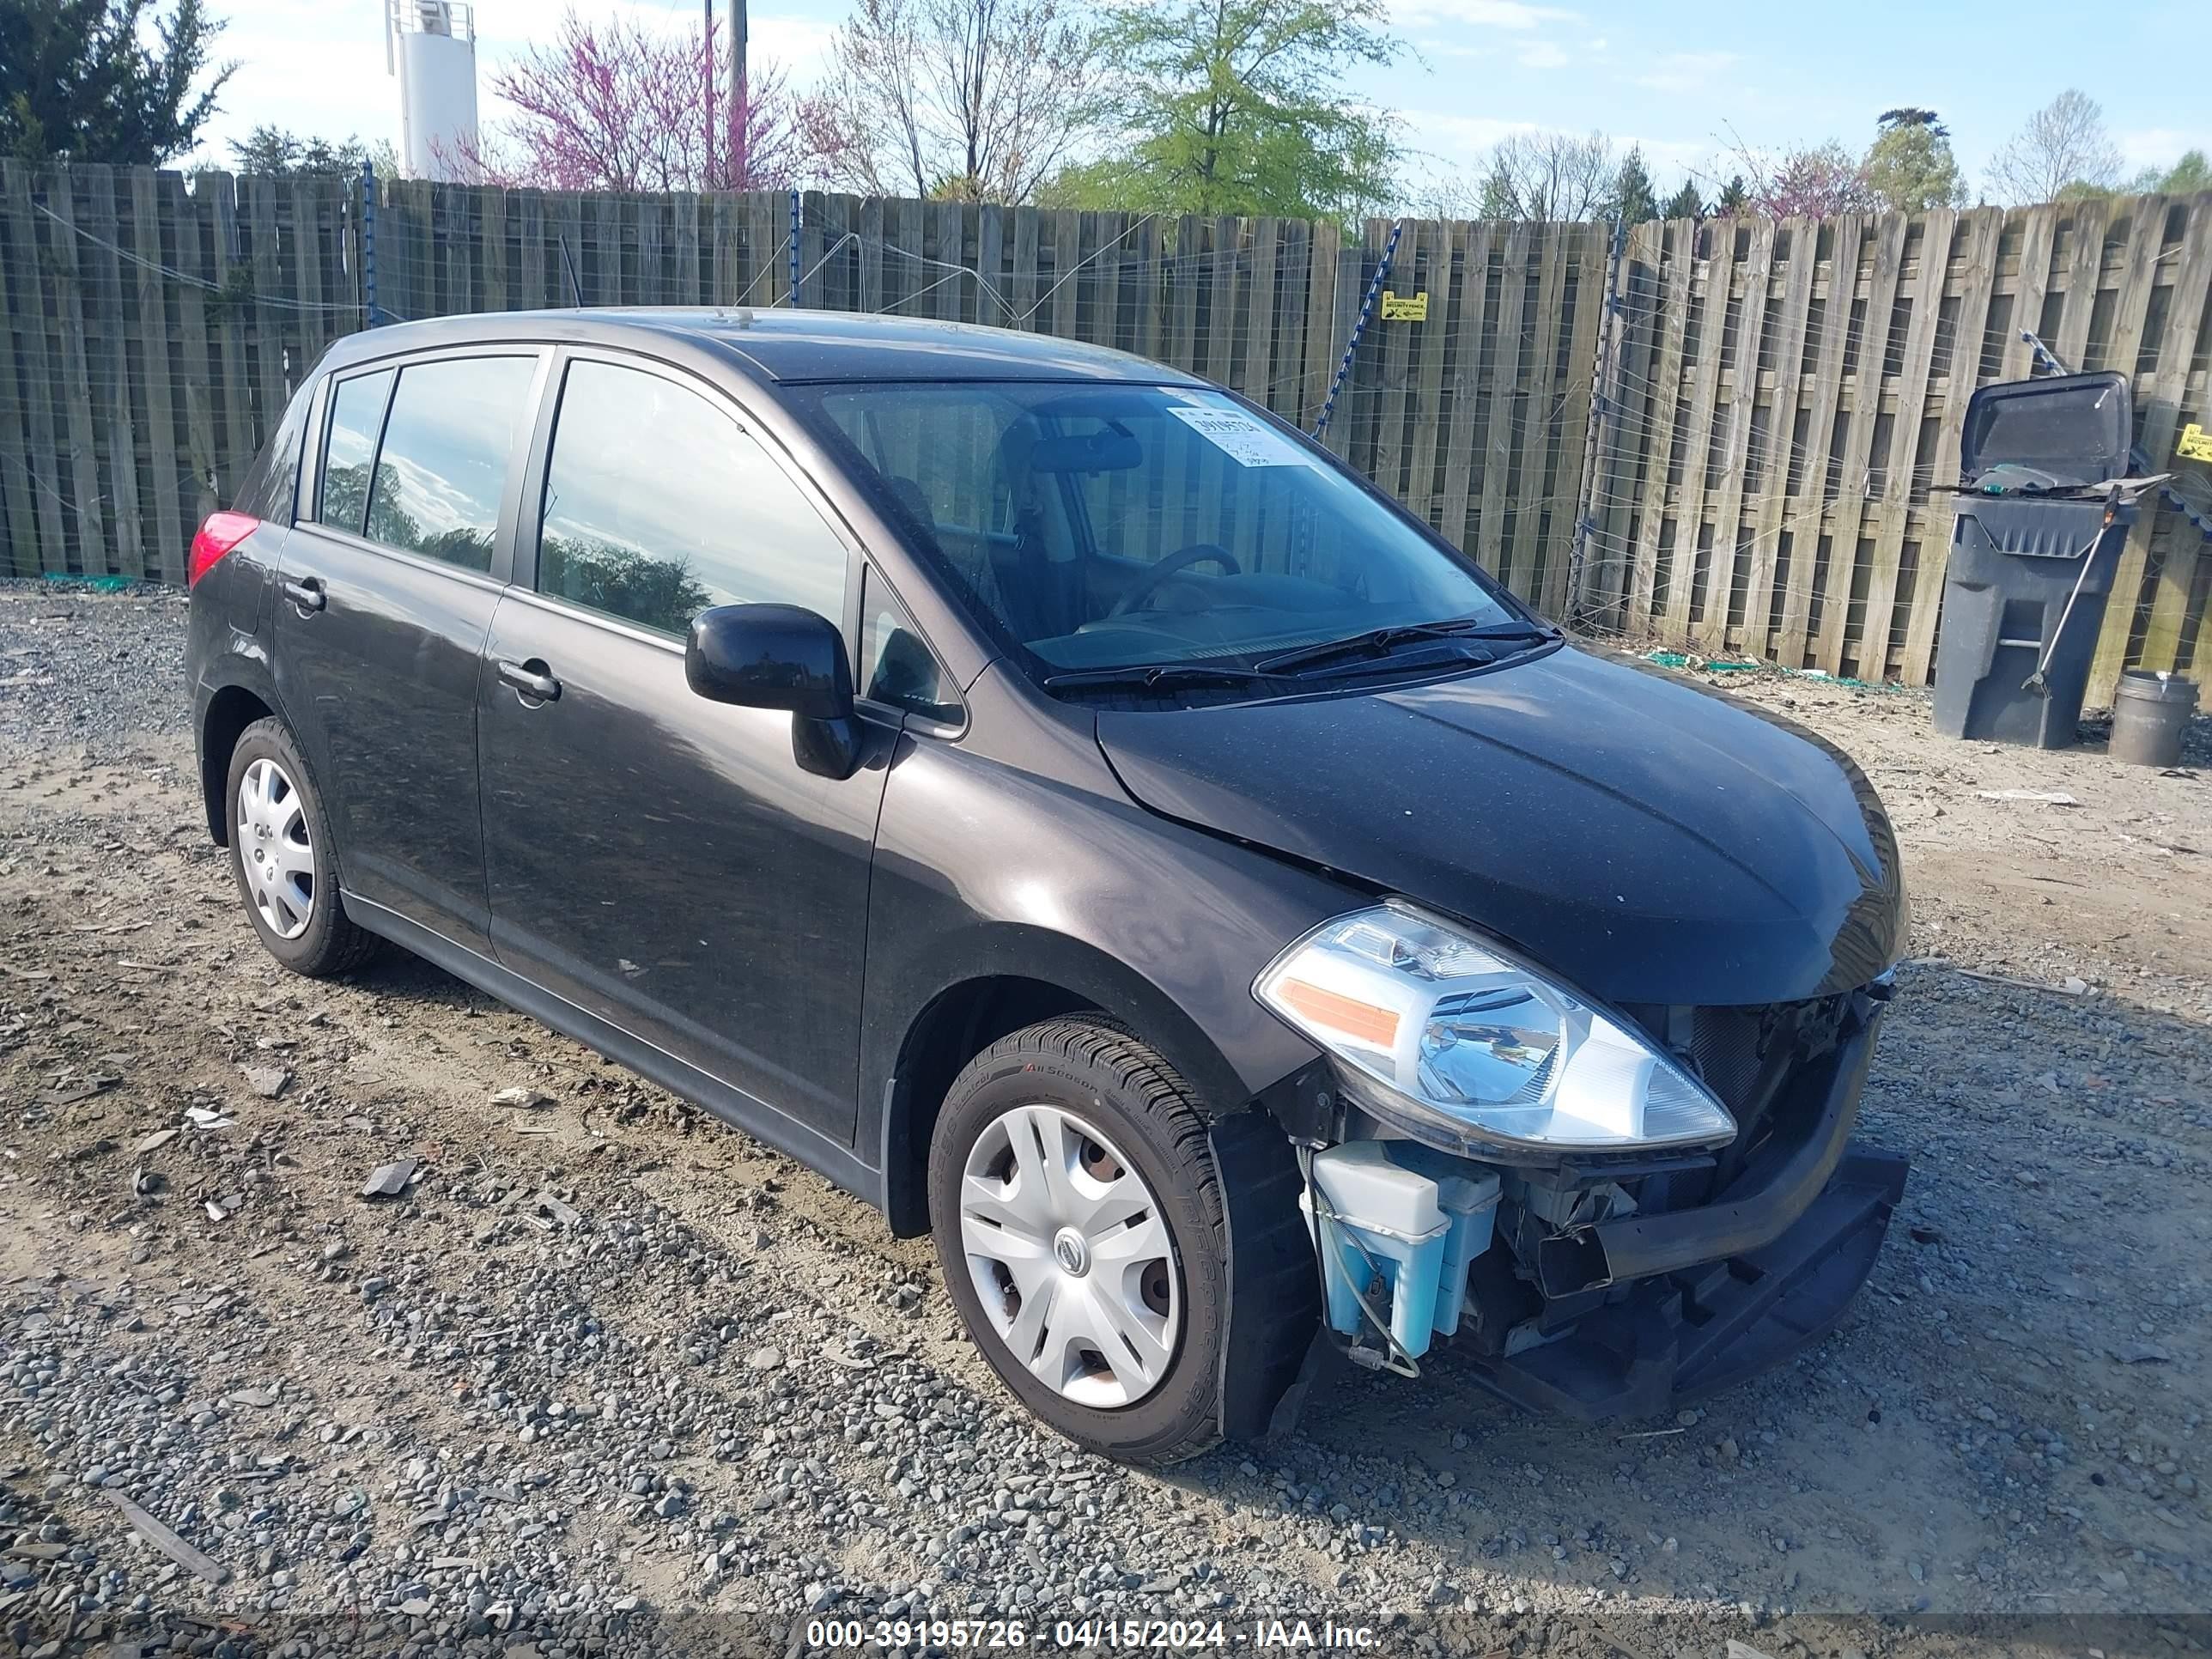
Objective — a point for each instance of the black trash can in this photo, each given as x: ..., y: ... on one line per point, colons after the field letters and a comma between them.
x: 2034, y: 543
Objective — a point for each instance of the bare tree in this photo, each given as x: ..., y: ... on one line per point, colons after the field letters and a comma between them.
x: 2064, y: 145
x: 1550, y: 176
x: 975, y: 99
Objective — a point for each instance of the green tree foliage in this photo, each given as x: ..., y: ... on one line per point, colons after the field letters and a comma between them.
x: 1734, y: 196
x: 105, y: 80
x: 1910, y: 166
x: 1239, y: 107
x: 1633, y: 200
x: 272, y: 152
x: 1685, y: 203
x: 2186, y: 177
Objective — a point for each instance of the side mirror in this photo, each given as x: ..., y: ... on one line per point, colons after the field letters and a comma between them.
x: 780, y: 656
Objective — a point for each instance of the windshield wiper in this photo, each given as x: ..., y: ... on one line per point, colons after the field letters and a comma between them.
x: 1153, y: 677
x: 1379, y: 642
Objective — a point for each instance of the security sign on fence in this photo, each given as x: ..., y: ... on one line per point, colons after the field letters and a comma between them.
x: 1736, y: 436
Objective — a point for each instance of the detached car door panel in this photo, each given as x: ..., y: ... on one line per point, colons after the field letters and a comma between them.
x: 660, y: 860
x: 384, y: 599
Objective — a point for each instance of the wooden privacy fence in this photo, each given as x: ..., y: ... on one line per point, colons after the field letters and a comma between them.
x: 1744, y: 452
x: 153, y: 332
x: 1774, y: 469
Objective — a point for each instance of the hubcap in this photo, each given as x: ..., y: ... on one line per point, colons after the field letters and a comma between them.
x: 1070, y: 1257
x: 274, y: 851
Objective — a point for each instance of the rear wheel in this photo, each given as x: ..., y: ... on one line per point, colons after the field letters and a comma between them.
x: 279, y: 853
x: 1079, y: 1220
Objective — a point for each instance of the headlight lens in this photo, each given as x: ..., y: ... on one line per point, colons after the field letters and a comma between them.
x: 1465, y: 1041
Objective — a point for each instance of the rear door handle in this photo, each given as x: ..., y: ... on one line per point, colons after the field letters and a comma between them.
x: 307, y: 594
x: 530, y: 678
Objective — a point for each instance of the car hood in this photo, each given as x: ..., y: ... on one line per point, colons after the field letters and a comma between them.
x: 1649, y: 840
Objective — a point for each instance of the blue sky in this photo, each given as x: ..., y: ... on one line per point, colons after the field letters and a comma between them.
x: 1683, y: 80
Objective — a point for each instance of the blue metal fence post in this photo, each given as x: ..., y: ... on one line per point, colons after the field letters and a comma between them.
x: 1595, y: 451
x: 1366, y: 310
x: 368, y: 238
x: 793, y: 298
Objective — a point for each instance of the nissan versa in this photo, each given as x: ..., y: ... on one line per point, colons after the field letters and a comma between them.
x: 1054, y: 799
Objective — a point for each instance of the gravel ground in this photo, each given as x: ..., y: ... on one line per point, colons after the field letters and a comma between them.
x: 610, y: 1377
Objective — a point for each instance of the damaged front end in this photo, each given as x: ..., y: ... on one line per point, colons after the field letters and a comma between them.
x: 1613, y: 1211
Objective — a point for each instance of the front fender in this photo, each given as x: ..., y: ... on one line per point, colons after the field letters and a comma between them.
x: 985, y: 871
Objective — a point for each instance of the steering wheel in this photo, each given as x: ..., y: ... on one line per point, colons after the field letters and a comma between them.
x: 1151, y: 582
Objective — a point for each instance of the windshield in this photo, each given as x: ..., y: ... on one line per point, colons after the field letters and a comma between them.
x: 1111, y: 526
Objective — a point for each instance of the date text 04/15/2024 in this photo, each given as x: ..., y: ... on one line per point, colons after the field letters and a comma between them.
x: 1154, y: 1635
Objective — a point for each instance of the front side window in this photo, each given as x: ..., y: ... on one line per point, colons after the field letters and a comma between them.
x: 657, y: 504
x: 448, y: 446
x: 356, y: 420
x: 1111, y: 526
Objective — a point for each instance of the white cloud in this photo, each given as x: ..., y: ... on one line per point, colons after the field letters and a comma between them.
x: 310, y: 67
x: 1431, y: 47
x: 2159, y: 147
x: 1545, y: 55
x: 800, y: 45
x: 1482, y: 14
x: 1686, y: 71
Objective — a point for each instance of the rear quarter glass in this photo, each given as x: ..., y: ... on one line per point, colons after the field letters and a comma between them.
x: 268, y: 491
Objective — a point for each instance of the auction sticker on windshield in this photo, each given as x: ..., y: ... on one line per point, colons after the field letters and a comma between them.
x: 1243, y: 440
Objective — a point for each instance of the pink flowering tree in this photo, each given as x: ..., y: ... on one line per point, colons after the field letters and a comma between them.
x: 621, y: 107
x: 1815, y: 181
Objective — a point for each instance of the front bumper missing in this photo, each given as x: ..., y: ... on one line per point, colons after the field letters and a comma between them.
x: 1636, y: 1315
x: 1703, y: 1297
x: 1675, y: 1339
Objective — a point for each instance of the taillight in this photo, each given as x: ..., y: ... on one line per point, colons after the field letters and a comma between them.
x: 217, y: 536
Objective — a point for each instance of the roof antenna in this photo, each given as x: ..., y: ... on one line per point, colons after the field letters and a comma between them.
x: 567, y: 265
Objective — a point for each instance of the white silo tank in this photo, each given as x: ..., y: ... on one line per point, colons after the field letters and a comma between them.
x: 431, y: 44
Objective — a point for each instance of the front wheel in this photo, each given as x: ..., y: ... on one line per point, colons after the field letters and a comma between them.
x: 1079, y: 1220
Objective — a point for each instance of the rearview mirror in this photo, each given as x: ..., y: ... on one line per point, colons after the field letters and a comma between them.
x: 1113, y: 450
x: 780, y: 656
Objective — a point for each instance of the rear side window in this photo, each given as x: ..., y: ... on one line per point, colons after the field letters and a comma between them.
x: 658, y: 504
x: 443, y: 470
x: 356, y: 417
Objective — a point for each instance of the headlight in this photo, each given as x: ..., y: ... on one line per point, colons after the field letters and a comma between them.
x: 1447, y: 1037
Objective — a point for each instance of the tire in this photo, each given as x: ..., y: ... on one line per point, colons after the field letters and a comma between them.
x: 1122, y: 1109
x: 286, y: 824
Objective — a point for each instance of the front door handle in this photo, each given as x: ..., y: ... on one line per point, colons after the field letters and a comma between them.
x: 532, y: 679
x: 307, y: 594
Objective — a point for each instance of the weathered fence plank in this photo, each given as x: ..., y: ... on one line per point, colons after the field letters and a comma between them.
x: 1732, y: 446
x: 1772, y: 458
x: 2163, y: 412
